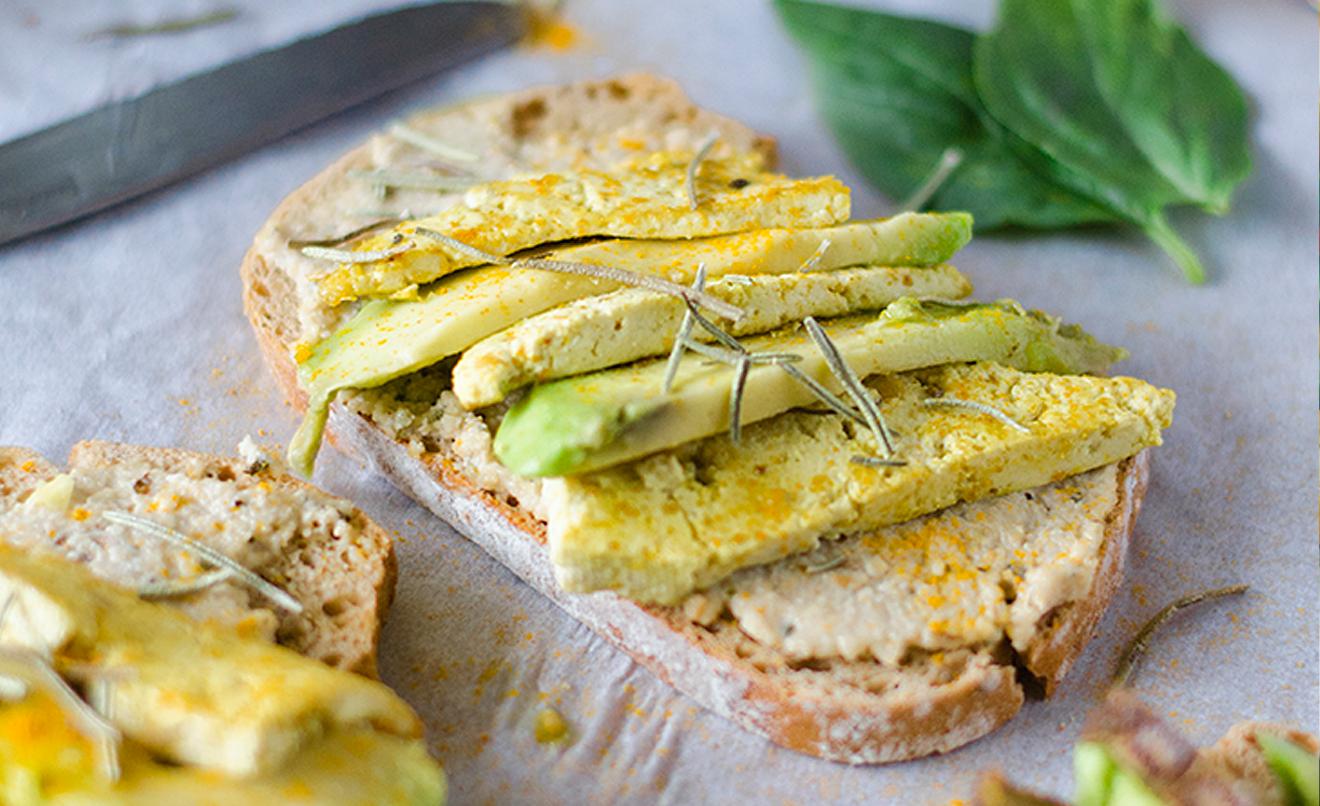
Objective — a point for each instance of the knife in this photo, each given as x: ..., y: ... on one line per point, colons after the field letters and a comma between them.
x: 131, y: 147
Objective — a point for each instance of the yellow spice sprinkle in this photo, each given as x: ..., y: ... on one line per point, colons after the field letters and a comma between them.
x: 550, y: 727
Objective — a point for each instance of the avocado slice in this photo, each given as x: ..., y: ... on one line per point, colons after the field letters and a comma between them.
x: 1297, y: 771
x: 1100, y: 780
x: 661, y: 527
x: 629, y: 324
x: 389, y: 338
x: 593, y: 421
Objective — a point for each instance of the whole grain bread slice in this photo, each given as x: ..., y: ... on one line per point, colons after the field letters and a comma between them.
x: 345, y: 582
x: 854, y: 711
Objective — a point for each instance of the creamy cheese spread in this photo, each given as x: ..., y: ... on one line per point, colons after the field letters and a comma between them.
x: 250, y: 519
x: 963, y: 577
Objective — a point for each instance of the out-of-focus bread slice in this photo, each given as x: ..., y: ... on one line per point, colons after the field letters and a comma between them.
x: 345, y: 586
x: 851, y: 711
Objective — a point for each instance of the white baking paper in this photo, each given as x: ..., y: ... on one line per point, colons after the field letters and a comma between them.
x: 129, y: 326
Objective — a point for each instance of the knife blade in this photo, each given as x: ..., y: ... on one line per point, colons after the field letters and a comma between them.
x: 131, y: 147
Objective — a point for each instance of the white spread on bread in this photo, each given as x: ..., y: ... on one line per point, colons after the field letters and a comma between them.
x: 248, y: 518
x: 966, y: 576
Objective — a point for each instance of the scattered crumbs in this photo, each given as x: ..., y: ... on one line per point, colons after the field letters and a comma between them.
x: 183, y: 401
x: 546, y: 28
x: 482, y: 741
x: 511, y: 693
x: 550, y: 727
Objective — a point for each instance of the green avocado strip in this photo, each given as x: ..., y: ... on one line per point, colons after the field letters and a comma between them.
x: 605, y: 418
x: 389, y: 338
x: 1297, y: 771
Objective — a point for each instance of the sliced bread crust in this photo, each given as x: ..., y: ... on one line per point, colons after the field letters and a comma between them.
x: 856, y: 712
x: 346, y: 589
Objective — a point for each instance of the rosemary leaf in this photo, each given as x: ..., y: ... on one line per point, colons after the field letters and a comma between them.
x: 350, y: 256
x: 426, y: 142
x: 170, y: 589
x: 1135, y: 649
x: 174, y: 25
x: 695, y: 165
x: 949, y: 161
x: 736, y: 396
x: 813, y: 263
x: 850, y: 383
x: 684, y: 330
x: 875, y: 461
x: 833, y: 401
x: 339, y: 240
x: 272, y: 592
x: 981, y: 408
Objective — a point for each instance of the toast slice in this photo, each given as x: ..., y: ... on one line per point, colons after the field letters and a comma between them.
x: 337, y: 563
x: 856, y: 710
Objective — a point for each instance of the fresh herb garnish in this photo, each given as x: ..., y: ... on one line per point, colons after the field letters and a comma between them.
x: 340, y: 240
x: 1137, y: 647
x: 851, y: 384
x: 414, y: 180
x: 812, y: 263
x: 426, y: 142
x: 949, y: 162
x: 169, y: 589
x: 981, y: 408
x: 272, y: 592
x: 875, y: 461
x: 650, y: 282
x: 690, y: 180
x: 168, y: 26
x: 350, y: 256
x: 1067, y: 112
x: 684, y: 329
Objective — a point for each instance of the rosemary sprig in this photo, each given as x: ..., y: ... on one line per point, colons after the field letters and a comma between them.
x: 949, y: 162
x: 812, y: 263
x: 272, y: 592
x: 1135, y: 649
x: 415, y: 180
x: 170, y: 590
x: 690, y: 180
x: 31, y: 668
x: 350, y: 256
x: 339, y: 240
x: 684, y: 330
x: 737, y: 279
x: 736, y: 398
x: 875, y: 461
x: 851, y: 384
x: 173, y: 25
x: 824, y: 395
x: 426, y: 142
x: 981, y: 408
x: 650, y: 282
x: 827, y: 565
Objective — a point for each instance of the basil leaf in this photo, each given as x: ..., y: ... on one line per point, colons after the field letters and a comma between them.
x: 898, y: 92
x: 1038, y: 75
x: 1183, y: 111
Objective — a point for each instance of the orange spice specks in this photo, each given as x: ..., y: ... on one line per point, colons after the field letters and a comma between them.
x: 80, y: 514
x: 546, y: 29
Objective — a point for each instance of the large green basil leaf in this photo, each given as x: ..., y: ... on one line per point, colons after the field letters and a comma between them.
x: 898, y: 92
x: 1181, y: 109
x: 1045, y: 73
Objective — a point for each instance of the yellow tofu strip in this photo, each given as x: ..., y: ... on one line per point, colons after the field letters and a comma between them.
x: 43, y: 759
x: 390, y: 338
x: 628, y: 324
x: 193, y: 693
x: 646, y: 200
x: 664, y: 526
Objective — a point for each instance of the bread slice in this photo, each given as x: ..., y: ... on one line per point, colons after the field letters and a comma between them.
x: 342, y: 572
x: 856, y: 711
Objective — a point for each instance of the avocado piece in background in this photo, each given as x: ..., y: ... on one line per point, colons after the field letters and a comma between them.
x: 388, y: 338
x: 605, y: 418
x: 1297, y: 770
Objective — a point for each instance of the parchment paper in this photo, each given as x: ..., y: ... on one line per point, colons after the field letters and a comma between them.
x: 129, y: 326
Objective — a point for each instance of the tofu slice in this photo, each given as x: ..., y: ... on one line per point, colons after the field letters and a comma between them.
x: 390, y: 338
x: 43, y: 759
x: 647, y: 199
x: 631, y: 323
x: 664, y: 526
x: 193, y: 693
